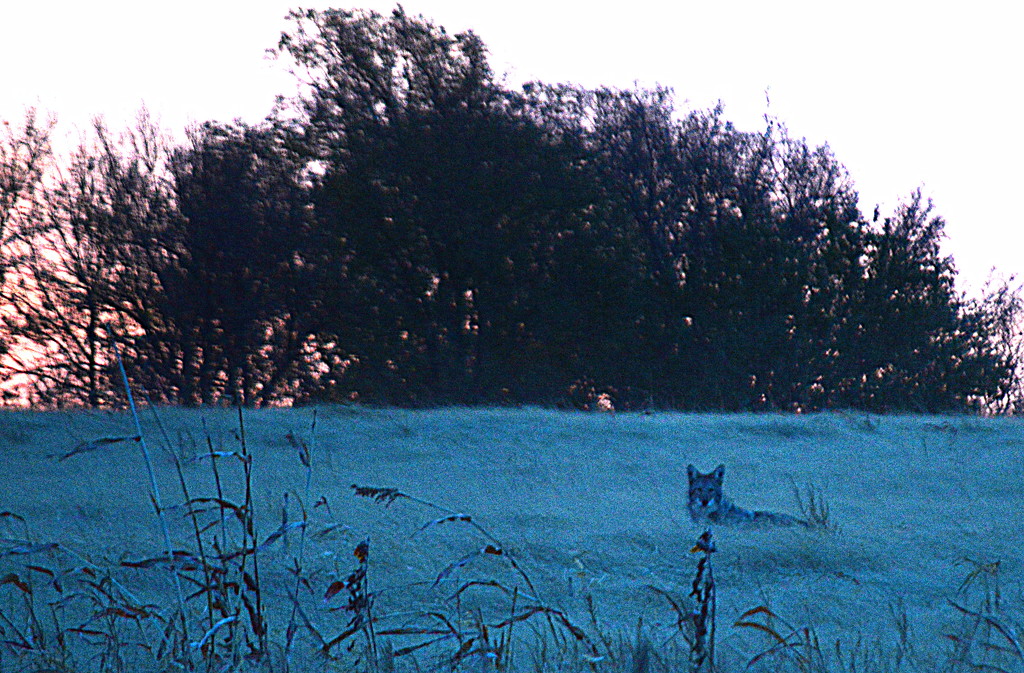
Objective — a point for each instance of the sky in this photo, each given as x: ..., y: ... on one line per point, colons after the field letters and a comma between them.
x: 907, y: 94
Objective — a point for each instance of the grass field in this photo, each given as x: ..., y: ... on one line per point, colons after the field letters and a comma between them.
x: 572, y: 551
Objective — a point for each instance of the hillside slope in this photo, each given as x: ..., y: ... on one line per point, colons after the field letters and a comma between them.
x: 589, y: 505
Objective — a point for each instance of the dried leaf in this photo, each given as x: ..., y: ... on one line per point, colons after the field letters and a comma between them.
x: 402, y: 651
x: 760, y: 609
x: 40, y: 569
x: 761, y: 627
x: 333, y: 589
x: 455, y: 566
x: 83, y: 447
x: 11, y: 578
x: 385, y: 495
x: 31, y: 548
x: 463, y: 650
x: 465, y: 518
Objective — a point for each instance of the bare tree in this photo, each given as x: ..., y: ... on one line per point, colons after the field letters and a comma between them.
x: 24, y: 157
x: 76, y: 266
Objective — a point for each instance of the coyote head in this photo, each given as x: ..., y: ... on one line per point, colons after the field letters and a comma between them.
x: 705, y: 490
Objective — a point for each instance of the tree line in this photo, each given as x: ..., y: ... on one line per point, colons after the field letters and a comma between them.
x: 411, y: 231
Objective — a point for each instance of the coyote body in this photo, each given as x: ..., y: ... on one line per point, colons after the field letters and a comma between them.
x: 707, y: 503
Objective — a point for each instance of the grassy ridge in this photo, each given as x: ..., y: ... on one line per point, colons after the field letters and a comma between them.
x: 584, y: 516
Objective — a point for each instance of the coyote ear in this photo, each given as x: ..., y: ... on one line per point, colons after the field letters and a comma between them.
x: 691, y: 471
x: 719, y: 472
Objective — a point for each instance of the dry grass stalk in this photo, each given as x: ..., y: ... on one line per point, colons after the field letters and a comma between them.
x: 60, y: 609
x: 494, y: 548
x: 224, y: 570
x: 154, y: 492
x: 988, y: 638
x: 360, y: 605
x: 702, y: 647
x: 799, y: 646
x: 305, y: 454
x: 813, y: 507
x: 489, y: 643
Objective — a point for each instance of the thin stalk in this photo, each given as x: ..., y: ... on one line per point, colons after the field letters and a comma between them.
x: 307, y: 460
x: 250, y: 530
x: 157, y: 502
x: 199, y: 543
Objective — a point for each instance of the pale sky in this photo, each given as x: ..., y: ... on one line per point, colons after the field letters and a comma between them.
x: 907, y: 94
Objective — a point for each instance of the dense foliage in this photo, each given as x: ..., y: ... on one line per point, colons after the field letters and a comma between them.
x: 411, y: 231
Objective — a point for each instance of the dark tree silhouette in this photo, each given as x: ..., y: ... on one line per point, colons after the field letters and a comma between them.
x: 449, y: 207
x: 239, y: 290
x: 410, y: 231
x: 76, y: 272
x: 917, y: 345
x: 995, y: 322
x: 24, y: 155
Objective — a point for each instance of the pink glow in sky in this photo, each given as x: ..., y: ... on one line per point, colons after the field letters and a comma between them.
x: 907, y: 94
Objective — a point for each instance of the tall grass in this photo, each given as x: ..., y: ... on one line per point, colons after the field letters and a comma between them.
x: 62, y: 612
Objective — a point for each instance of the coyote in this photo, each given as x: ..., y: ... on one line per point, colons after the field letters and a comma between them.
x: 708, y: 503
